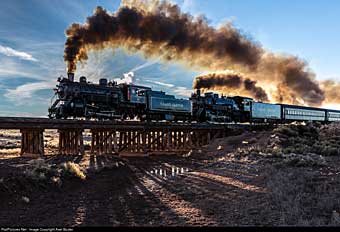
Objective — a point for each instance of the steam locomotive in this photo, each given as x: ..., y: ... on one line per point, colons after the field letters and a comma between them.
x: 109, y: 100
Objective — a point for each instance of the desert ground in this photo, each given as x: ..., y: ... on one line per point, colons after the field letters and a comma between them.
x: 286, y: 176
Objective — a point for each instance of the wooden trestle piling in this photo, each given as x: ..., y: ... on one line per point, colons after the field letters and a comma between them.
x: 71, y: 142
x: 108, y: 137
x: 32, y: 142
x: 149, y: 141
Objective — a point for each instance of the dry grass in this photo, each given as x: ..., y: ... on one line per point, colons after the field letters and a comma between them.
x: 296, y: 145
x: 73, y: 169
x: 305, y: 139
x: 304, y: 197
x: 40, y: 171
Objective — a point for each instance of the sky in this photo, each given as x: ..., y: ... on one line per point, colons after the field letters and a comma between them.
x: 32, y: 37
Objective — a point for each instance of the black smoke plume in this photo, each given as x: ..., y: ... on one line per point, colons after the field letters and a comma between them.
x: 227, y: 83
x: 164, y: 31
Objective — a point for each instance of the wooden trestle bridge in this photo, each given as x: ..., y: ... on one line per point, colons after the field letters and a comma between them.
x: 113, y: 137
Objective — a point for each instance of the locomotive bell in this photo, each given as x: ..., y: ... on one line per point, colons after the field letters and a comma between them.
x: 70, y: 76
x: 82, y: 79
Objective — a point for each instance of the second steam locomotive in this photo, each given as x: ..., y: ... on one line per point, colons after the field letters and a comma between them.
x: 109, y: 100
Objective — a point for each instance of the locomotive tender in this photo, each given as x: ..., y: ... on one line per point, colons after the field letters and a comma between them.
x: 109, y: 100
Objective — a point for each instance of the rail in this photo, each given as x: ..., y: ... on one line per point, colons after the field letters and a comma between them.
x: 46, y: 123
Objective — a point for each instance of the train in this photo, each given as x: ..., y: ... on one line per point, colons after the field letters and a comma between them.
x: 109, y: 100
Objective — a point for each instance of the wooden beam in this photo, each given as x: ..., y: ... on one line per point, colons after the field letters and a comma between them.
x: 81, y: 143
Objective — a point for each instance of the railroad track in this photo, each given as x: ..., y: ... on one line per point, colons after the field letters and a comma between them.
x: 46, y: 123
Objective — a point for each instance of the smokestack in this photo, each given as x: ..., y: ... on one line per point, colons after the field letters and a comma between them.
x: 198, y: 92
x: 70, y: 76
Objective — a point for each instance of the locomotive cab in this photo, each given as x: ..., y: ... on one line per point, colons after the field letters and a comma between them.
x: 244, y: 108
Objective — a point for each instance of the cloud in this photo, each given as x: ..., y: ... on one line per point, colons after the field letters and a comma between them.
x: 7, y: 51
x: 11, y: 113
x: 160, y: 83
x: 145, y: 65
x: 177, y: 90
x: 182, y: 91
x: 188, y: 5
x: 23, y: 94
x: 103, y: 64
x: 14, y: 68
x: 172, y: 89
x: 11, y: 72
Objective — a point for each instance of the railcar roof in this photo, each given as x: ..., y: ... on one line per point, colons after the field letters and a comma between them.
x: 334, y: 111
x: 308, y: 108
